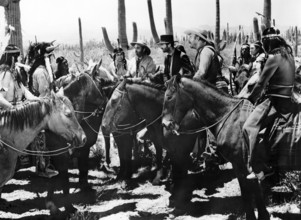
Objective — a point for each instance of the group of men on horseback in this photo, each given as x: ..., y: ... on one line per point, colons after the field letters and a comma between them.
x: 270, y: 60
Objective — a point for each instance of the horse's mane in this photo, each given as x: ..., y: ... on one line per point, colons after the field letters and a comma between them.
x: 82, y: 81
x: 26, y: 115
x: 147, y: 84
x: 211, y: 86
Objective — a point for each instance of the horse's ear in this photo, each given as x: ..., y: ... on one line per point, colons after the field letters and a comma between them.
x: 94, y: 72
x: 99, y: 63
x: 52, y: 95
x: 178, y: 78
x: 60, y: 92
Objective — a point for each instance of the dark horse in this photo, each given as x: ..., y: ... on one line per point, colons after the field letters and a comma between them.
x: 87, y: 99
x: 130, y: 106
x: 224, y: 116
x: 139, y: 104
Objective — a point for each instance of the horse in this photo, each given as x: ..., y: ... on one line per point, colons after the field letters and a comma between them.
x: 20, y: 125
x: 86, y: 96
x: 241, y: 78
x: 224, y: 116
x: 135, y: 100
x: 130, y: 104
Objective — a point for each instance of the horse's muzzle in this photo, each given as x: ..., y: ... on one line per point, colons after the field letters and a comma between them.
x: 170, y: 127
x: 79, y: 141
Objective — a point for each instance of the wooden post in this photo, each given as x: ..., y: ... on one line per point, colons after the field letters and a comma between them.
x: 81, y: 41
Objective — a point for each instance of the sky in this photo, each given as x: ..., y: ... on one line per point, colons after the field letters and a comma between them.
x: 58, y: 19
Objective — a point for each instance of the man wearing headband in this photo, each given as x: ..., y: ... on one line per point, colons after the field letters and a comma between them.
x: 277, y: 78
x: 11, y: 86
x: 119, y: 66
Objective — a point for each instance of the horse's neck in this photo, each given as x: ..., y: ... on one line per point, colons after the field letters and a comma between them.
x: 211, y: 105
x: 148, y: 101
x: 20, y: 139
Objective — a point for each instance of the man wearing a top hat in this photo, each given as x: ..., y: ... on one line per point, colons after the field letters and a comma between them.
x: 206, y: 63
x: 142, y: 65
x: 277, y: 80
x: 176, y: 60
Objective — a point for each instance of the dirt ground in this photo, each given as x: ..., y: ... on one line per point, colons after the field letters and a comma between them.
x: 215, y: 197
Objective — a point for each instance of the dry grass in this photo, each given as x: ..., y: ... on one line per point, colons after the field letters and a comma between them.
x: 96, y: 50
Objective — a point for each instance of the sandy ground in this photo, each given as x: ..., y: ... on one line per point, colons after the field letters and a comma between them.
x: 218, y: 199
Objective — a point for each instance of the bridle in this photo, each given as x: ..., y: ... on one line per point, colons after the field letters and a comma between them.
x: 97, y: 112
x: 128, y: 128
x: 196, y: 131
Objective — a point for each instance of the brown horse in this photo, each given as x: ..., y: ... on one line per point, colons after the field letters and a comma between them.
x: 139, y: 104
x: 224, y: 116
x: 19, y: 126
x: 86, y: 96
x: 129, y: 106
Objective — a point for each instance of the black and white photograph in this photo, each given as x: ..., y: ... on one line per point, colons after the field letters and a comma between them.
x: 150, y: 109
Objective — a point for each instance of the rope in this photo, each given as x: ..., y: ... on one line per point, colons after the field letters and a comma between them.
x: 210, y: 126
x: 39, y: 153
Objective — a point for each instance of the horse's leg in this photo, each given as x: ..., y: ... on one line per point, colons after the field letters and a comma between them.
x: 107, y: 146
x: 120, y: 148
x: 247, y: 189
x: 83, y: 166
x: 260, y: 202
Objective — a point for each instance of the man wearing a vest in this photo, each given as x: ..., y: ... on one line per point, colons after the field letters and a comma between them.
x: 176, y: 61
x: 206, y: 63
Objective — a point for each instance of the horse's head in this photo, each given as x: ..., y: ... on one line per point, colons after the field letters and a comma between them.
x: 117, y: 108
x: 177, y: 103
x: 96, y: 70
x: 86, y: 94
x: 62, y: 67
x: 241, y: 78
x: 62, y: 120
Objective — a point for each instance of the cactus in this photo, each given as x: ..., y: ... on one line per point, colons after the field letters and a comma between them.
x: 267, y: 13
x: 152, y: 22
x: 256, y: 30
x: 169, y: 26
x: 122, y: 24
x: 217, y: 25
x: 228, y: 40
x: 135, y: 32
x: 13, y: 18
x: 296, y: 41
x: 107, y: 40
x: 81, y: 41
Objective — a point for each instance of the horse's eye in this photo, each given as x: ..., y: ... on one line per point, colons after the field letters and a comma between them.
x: 68, y: 114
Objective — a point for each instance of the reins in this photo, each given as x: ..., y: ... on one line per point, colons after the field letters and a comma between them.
x: 39, y: 153
x: 214, y: 124
x: 131, y: 128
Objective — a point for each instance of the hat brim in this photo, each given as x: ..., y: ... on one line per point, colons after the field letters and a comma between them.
x: 189, y: 32
x: 166, y: 42
x: 143, y: 45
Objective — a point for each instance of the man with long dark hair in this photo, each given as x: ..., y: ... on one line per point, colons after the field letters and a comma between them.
x: 277, y: 79
x: 11, y: 87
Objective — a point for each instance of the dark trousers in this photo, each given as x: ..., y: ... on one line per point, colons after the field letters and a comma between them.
x: 263, y: 116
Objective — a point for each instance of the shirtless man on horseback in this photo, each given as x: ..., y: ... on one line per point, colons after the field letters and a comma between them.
x: 277, y: 78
